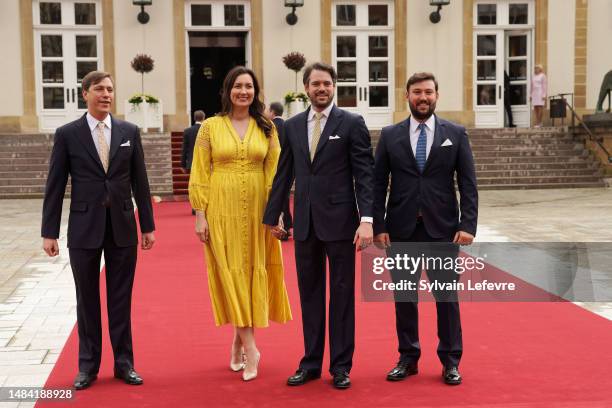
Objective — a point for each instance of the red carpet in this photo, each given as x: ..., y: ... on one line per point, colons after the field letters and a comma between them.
x: 516, y: 354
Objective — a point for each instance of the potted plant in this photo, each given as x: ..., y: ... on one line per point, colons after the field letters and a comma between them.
x: 294, y: 101
x: 142, y: 109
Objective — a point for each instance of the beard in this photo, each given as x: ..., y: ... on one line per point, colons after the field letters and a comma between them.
x: 321, y: 105
x: 421, y: 116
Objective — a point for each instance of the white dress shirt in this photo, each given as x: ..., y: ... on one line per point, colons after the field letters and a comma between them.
x: 93, y: 123
x: 430, y: 126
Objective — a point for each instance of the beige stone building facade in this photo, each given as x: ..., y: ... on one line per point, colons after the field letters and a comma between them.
x: 48, y: 45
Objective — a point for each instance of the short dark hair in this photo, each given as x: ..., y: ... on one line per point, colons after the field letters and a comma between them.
x: 277, y: 108
x: 199, y: 116
x: 420, y: 77
x: 319, y: 66
x: 94, y: 78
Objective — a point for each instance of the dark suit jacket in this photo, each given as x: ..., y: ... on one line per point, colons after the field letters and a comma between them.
x: 325, y: 189
x: 189, y: 138
x: 433, y: 192
x: 280, y: 128
x: 74, y: 153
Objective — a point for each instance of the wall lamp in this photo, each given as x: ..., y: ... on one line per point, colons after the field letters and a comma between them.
x: 143, y: 16
x: 435, y: 16
x: 292, y: 18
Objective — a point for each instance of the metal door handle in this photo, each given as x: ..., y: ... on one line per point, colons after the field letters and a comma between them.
x: 499, y: 87
x: 67, y: 95
x: 360, y: 93
x: 73, y: 93
x: 365, y: 90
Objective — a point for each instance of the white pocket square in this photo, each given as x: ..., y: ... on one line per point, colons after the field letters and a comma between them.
x: 125, y: 144
x: 334, y: 137
x: 447, y: 142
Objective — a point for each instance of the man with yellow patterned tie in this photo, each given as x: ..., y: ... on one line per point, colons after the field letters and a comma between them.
x: 105, y: 161
x: 328, y: 152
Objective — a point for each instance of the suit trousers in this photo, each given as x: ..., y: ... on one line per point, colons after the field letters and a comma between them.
x: 120, y: 265
x: 450, y: 345
x: 310, y: 256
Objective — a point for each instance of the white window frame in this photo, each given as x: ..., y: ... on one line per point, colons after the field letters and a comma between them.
x: 218, y: 15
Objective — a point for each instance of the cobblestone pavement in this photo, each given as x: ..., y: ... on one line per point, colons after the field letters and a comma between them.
x: 37, y: 299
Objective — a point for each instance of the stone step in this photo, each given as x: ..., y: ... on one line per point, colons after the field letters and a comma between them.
x: 530, y: 159
x: 526, y: 147
x: 537, y: 180
x: 535, y: 173
x: 548, y: 142
x: 596, y: 184
x: 567, y: 153
x: 537, y: 166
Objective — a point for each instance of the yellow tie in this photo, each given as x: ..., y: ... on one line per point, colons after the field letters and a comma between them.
x: 102, y: 146
x: 316, y: 135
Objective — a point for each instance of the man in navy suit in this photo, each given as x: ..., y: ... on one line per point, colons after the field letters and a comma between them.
x: 189, y: 138
x: 105, y: 161
x: 328, y: 152
x: 423, y: 154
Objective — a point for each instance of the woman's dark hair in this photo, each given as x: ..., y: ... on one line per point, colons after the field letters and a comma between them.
x: 257, y: 108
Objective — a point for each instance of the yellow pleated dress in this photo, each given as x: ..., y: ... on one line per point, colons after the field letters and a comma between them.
x: 230, y: 181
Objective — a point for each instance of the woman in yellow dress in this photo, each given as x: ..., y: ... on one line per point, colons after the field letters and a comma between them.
x: 234, y: 162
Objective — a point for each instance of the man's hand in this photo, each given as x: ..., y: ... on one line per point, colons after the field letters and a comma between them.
x: 148, y: 239
x: 184, y: 170
x: 201, y: 227
x: 382, y: 241
x: 50, y: 246
x: 278, y: 231
x: 363, y: 236
x: 463, y: 238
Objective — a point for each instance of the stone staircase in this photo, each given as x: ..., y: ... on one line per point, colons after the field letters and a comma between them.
x: 24, y: 162
x: 505, y: 159
x: 529, y: 159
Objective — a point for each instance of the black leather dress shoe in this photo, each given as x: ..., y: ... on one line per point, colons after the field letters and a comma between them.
x: 402, y: 370
x: 84, y: 380
x: 129, y: 376
x: 342, y: 381
x: 451, y: 375
x: 302, y: 376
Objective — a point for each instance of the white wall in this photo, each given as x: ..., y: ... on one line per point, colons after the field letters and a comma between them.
x: 438, y: 48
x: 561, y: 36
x: 279, y: 39
x: 156, y: 38
x: 599, y: 48
x: 11, y: 97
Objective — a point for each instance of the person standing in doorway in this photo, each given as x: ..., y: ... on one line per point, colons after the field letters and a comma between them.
x: 538, y: 93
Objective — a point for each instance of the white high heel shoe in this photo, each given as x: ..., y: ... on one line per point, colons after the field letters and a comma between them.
x: 248, y: 375
x: 238, y: 366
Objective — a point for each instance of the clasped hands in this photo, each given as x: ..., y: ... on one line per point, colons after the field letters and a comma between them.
x: 382, y: 241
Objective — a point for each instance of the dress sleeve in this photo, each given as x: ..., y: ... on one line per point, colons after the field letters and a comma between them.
x: 199, y: 180
x: 271, y: 160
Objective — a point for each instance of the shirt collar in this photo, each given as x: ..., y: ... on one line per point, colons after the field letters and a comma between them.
x: 430, y: 123
x: 325, y: 113
x: 93, y: 122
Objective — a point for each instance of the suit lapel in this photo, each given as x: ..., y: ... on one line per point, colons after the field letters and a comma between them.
x: 84, y: 136
x: 116, y: 137
x: 437, y: 141
x: 333, y: 122
x: 303, y: 135
x: 405, y: 141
